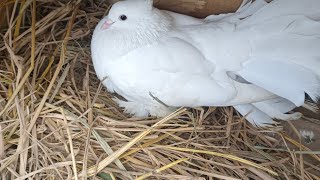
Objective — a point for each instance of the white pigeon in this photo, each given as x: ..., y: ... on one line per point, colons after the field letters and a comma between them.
x: 262, y: 59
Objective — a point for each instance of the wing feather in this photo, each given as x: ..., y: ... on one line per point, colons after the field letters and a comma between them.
x: 283, y: 78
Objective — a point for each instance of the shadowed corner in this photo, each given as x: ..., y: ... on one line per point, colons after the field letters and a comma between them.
x: 307, y: 128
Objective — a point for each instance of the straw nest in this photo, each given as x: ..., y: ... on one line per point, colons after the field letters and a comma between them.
x: 58, y: 122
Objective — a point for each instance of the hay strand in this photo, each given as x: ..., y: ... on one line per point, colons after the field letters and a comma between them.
x: 59, y: 122
x: 104, y: 163
x: 161, y: 169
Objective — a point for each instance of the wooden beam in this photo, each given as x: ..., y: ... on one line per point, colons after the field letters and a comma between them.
x: 197, y: 8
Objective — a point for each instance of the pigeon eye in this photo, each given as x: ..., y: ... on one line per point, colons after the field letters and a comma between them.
x: 123, y: 17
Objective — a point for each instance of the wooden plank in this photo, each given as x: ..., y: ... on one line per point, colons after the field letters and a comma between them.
x: 197, y: 8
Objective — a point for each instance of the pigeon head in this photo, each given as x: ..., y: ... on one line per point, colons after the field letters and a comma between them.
x: 127, y: 14
x: 133, y: 15
x: 129, y: 25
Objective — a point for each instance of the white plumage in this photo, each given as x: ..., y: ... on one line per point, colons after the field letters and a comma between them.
x: 261, y: 59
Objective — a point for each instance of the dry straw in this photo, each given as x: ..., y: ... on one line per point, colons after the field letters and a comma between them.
x: 58, y: 122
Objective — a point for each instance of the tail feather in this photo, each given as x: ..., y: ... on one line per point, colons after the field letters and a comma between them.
x: 254, y: 115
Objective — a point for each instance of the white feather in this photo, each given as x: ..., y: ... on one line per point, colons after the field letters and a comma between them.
x: 254, y: 115
x: 282, y: 78
x: 184, y: 61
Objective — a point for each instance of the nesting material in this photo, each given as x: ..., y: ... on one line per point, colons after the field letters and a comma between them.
x: 57, y: 120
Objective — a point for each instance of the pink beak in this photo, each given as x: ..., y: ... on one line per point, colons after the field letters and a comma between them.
x: 106, y: 24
